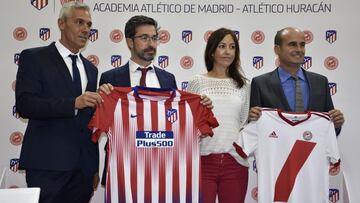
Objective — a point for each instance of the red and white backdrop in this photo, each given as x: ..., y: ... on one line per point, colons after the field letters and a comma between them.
x: 332, y: 50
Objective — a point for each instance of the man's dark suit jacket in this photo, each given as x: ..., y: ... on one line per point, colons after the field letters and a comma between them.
x: 55, y: 138
x: 120, y: 77
x: 266, y: 91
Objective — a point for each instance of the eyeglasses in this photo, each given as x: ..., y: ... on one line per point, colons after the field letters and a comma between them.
x: 147, y: 38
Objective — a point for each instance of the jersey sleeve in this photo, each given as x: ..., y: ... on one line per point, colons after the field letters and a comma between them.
x: 206, y: 121
x: 204, y: 118
x: 332, y: 150
x: 103, y: 117
x: 248, y: 140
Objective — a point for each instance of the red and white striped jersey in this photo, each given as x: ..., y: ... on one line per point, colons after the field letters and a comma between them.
x: 293, y: 153
x: 153, y: 144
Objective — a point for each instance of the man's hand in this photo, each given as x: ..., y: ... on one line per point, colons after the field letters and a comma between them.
x: 254, y: 113
x: 337, y: 117
x: 334, y: 168
x: 88, y: 99
x: 96, y: 181
x: 206, y: 101
x: 106, y: 88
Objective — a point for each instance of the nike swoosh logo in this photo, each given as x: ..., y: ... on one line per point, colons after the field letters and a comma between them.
x: 133, y: 116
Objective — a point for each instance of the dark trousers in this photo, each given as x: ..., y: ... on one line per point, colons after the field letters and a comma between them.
x: 223, y: 176
x: 61, y: 186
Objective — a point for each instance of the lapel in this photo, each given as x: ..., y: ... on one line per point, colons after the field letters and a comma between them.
x: 278, y: 91
x: 56, y: 61
x: 158, y: 75
x: 89, y: 74
x: 162, y: 79
x: 123, y: 76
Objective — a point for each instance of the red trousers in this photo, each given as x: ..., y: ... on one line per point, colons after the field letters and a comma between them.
x: 222, y: 175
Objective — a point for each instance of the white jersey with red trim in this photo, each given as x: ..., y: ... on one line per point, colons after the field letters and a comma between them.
x: 293, y: 152
x: 153, y: 144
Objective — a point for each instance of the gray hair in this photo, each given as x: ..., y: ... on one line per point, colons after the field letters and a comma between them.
x: 67, y: 7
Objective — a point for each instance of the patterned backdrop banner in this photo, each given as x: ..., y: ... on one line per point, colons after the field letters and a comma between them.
x: 331, y: 32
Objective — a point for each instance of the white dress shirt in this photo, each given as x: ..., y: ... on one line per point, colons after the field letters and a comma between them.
x: 135, y: 75
x: 65, y: 52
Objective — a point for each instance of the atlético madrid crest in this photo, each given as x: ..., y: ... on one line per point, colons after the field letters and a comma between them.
x: 331, y: 36
x: 184, y: 85
x: 237, y: 34
x: 163, y: 61
x: 16, y: 58
x: 332, y: 88
x: 44, y: 33
x: 94, y: 34
x: 116, y: 61
x: 187, y: 36
x: 254, y: 167
x: 258, y: 62
x: 307, y: 62
x: 171, y: 115
x: 334, y: 195
x: 14, y: 165
x: 39, y: 4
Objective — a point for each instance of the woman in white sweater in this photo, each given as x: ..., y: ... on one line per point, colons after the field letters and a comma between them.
x: 224, y: 172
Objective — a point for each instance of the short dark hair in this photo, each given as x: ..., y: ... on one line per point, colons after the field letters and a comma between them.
x: 278, y: 37
x: 212, y: 43
x: 136, y: 21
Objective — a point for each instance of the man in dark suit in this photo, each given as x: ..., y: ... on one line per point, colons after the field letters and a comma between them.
x: 141, y: 33
x: 277, y: 89
x: 55, y: 90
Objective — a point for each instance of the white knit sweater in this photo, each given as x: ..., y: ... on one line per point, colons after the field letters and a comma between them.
x: 231, y: 108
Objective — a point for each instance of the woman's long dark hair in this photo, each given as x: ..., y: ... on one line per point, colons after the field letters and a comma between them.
x: 212, y: 43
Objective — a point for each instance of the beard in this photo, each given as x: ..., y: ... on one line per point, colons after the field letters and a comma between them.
x: 147, y: 54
